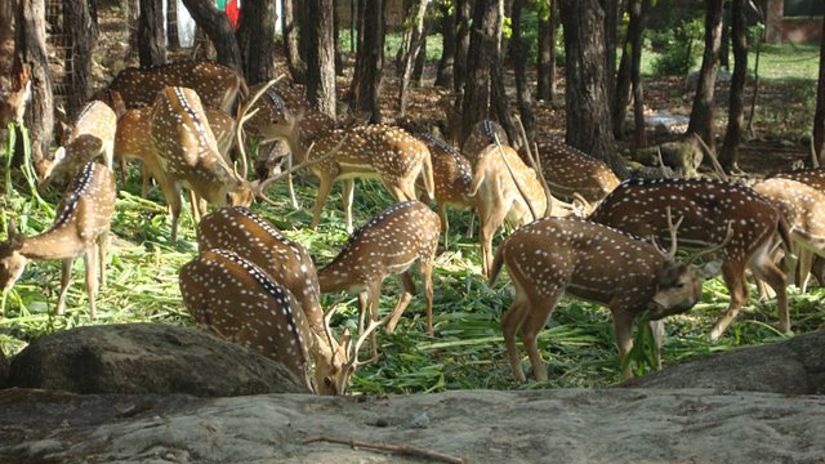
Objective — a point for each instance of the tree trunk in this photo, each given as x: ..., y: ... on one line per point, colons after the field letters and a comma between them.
x: 339, y: 63
x: 444, y: 75
x: 369, y: 61
x: 819, y: 116
x: 411, y: 48
x: 420, y: 60
x: 462, y: 45
x: 625, y: 78
x: 611, y: 32
x: 320, y: 76
x: 151, y: 38
x: 733, y: 137
x: 546, y: 50
x: 7, y: 18
x: 701, y: 116
x: 133, y: 20
x: 172, y: 24
x: 30, y: 52
x: 216, y: 25
x: 94, y: 7
x: 636, y: 79
x: 589, y: 126
x: 256, y: 39
x: 305, y: 22
x: 518, y: 51
x: 724, y: 47
x: 484, y: 44
x: 78, y: 22
x: 296, y: 65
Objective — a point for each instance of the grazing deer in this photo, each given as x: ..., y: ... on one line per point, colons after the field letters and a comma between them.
x: 554, y: 256
x: 14, y: 96
x: 80, y: 228
x: 802, y: 206
x: 708, y: 206
x: 219, y: 86
x: 482, y: 135
x: 569, y: 171
x: 92, y: 135
x: 388, y: 244
x: 236, y: 299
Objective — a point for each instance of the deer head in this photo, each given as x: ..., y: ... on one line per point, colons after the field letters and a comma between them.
x: 12, y: 262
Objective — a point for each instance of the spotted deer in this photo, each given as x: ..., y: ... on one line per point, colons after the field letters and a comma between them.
x: 570, y: 171
x: 81, y: 228
x: 708, y: 206
x: 802, y: 206
x: 15, y: 94
x: 482, y: 135
x: 237, y: 300
x: 554, y: 256
x: 91, y: 137
x: 221, y: 87
x: 386, y: 245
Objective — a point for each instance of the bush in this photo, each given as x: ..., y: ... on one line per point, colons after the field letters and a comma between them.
x: 678, y: 48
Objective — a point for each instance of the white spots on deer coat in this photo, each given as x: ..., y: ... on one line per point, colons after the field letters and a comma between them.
x: 569, y: 170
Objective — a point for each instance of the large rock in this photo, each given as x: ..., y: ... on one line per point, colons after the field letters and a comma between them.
x: 147, y: 358
x: 564, y: 426
x: 794, y: 367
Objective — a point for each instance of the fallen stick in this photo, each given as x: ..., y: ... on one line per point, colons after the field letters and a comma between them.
x: 393, y: 449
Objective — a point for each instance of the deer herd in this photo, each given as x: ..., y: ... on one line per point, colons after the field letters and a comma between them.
x: 578, y: 229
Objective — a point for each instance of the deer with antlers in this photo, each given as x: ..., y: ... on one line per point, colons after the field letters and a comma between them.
x: 388, y: 244
x: 708, y: 206
x: 554, y: 256
x: 570, y: 171
x: 81, y: 228
x: 253, y: 309
x: 483, y: 134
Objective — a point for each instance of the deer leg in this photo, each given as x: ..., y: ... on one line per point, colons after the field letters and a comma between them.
x: 734, y: 275
x: 91, y: 279
x: 347, y: 197
x: 535, y: 321
x: 324, y: 187
x: 374, y: 292
x: 805, y: 261
x: 193, y: 203
x: 292, y: 197
x: 767, y: 271
x: 403, y: 302
x: 623, y: 329
x: 427, y: 279
x: 511, y: 322
x: 124, y: 165
x: 65, y: 281
x: 175, y: 207
x: 102, y: 249
x: 363, y: 302
x: 445, y: 223
x: 490, y: 224
x: 471, y: 227
x: 658, y: 329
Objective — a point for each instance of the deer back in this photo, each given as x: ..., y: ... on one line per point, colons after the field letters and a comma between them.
x: 814, y: 177
x: 452, y: 172
x: 92, y: 135
x: 237, y: 300
x: 570, y: 171
x: 494, y: 184
x: 388, y: 244
x: 481, y: 135
x: 802, y: 206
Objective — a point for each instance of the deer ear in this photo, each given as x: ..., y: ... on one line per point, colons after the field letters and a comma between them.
x: 709, y: 269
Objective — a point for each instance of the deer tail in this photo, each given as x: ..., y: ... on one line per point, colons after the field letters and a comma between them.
x: 498, y: 262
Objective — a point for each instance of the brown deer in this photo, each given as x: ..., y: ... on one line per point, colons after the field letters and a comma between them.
x: 219, y: 86
x: 482, y: 135
x: 14, y: 96
x: 236, y: 299
x: 388, y: 244
x: 92, y: 136
x: 554, y: 256
x: 569, y: 171
x: 81, y: 228
x: 708, y: 206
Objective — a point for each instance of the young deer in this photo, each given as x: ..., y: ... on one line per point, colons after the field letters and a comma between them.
x: 92, y: 136
x: 219, y: 86
x: 569, y: 171
x: 236, y: 299
x: 708, y: 206
x: 80, y: 228
x: 482, y: 135
x: 388, y: 244
x: 554, y: 256
x: 802, y: 206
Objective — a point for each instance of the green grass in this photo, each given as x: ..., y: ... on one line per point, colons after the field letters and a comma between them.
x: 467, y: 351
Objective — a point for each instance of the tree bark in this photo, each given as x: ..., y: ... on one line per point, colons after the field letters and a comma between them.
x: 7, y: 19
x: 444, y: 75
x: 78, y: 21
x: 411, y: 48
x: 339, y: 63
x: 733, y: 136
x: 701, y: 116
x: 484, y: 44
x: 636, y: 80
x: 256, y: 39
x: 725, y: 41
x: 151, y: 37
x: 546, y: 59
x: 320, y: 76
x: 172, y: 24
x: 589, y: 125
x: 369, y: 61
x: 420, y: 60
x: 518, y: 51
x: 631, y: 55
x: 462, y: 43
x: 296, y: 65
x: 611, y: 32
x: 819, y: 116
x: 216, y: 25
x: 133, y: 20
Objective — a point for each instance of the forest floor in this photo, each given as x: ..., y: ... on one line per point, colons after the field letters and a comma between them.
x: 467, y: 350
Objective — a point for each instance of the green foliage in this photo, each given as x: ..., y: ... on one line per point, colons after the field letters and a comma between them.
x: 678, y: 48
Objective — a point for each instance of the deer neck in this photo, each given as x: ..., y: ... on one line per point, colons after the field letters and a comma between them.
x: 336, y: 277
x: 59, y: 243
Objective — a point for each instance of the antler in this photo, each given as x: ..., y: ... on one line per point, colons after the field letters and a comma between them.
x: 714, y: 248
x: 327, y: 329
x: 713, y: 160
x: 535, y: 163
x: 243, y: 117
x: 353, y: 355
x: 672, y: 229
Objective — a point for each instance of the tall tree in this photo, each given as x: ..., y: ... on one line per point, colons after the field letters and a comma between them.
x: 339, y: 63
x: 484, y: 42
x: 7, y: 19
x: 463, y: 10
x: 320, y: 76
x: 411, y: 46
x: 133, y: 21
x: 30, y: 52
x: 172, y: 24
x: 628, y: 79
x: 518, y: 49
x: 589, y: 125
x: 151, y: 36
x: 611, y: 33
x: 729, y: 155
x: 546, y: 60
x: 216, y: 25
x: 289, y: 26
x: 78, y: 21
x: 444, y: 75
x: 369, y: 61
x: 256, y: 39
x: 701, y: 116
x: 819, y: 116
